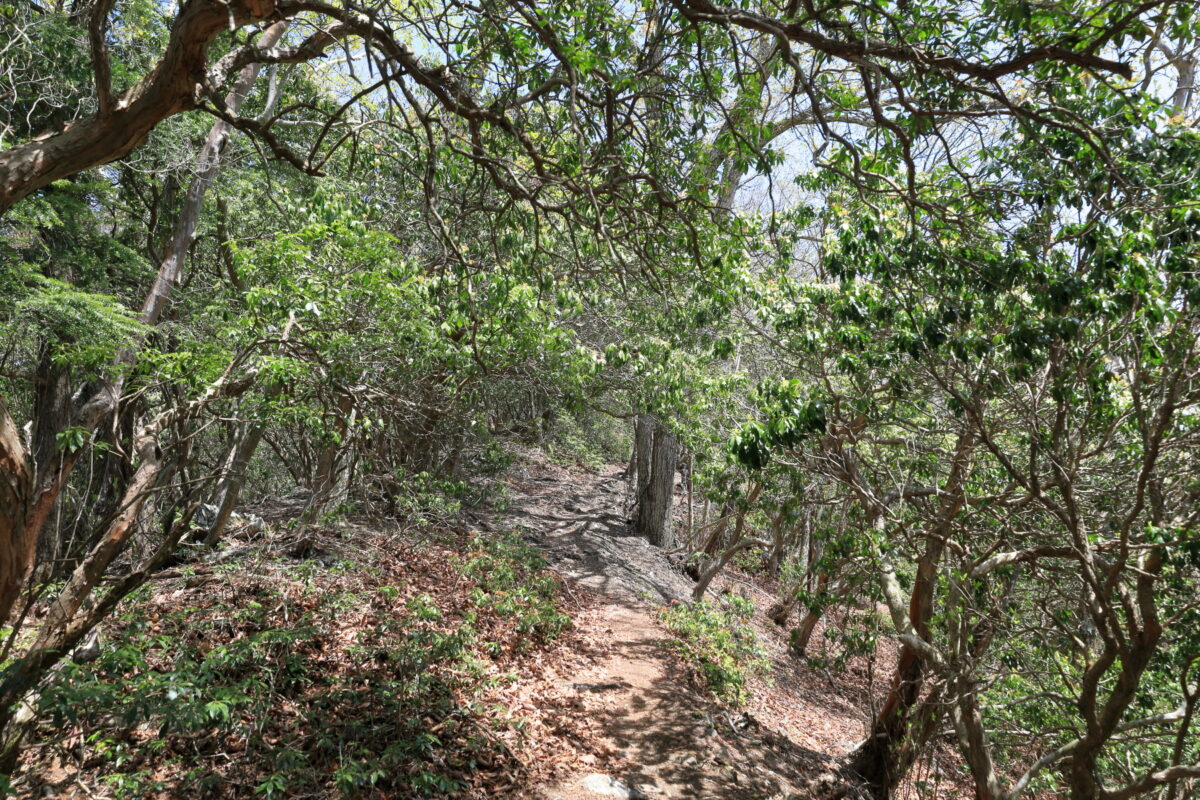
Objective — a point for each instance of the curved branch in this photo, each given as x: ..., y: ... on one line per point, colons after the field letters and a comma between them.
x: 168, y: 89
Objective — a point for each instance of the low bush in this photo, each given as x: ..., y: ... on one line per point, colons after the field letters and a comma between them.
x: 367, y: 682
x: 719, y: 646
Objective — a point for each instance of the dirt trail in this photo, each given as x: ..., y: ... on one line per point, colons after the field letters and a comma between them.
x: 665, y: 740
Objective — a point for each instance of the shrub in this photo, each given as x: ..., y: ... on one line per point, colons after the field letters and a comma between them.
x: 354, y: 682
x: 719, y: 646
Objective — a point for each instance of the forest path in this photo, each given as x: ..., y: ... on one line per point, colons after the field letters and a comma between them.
x: 663, y: 737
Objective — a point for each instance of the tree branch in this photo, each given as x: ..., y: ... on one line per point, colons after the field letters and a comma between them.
x: 865, y: 50
x: 101, y: 65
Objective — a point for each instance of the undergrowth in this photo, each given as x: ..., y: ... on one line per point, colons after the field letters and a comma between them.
x: 284, y: 679
x: 718, y: 644
x: 586, y: 440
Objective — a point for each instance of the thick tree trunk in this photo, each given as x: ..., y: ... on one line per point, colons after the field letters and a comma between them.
x: 653, y: 518
x: 643, y: 446
x: 123, y: 123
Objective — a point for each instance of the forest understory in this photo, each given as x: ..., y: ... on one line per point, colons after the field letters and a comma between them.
x: 292, y: 663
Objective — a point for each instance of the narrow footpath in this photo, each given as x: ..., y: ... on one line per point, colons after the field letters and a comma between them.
x: 664, y: 737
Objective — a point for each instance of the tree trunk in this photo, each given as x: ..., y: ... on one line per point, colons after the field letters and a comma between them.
x: 17, y: 543
x: 39, y: 503
x: 51, y: 416
x: 233, y: 475
x: 327, y: 485
x: 87, y: 575
x: 779, y: 539
x: 653, y: 518
x: 802, y: 634
x: 66, y: 621
x: 208, y: 160
x: 718, y: 564
x: 890, y: 749
x: 643, y: 445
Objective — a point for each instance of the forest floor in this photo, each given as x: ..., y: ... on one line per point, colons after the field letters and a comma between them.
x: 305, y: 661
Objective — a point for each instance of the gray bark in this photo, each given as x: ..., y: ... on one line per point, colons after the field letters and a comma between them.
x: 643, y: 445
x: 657, y: 460
x: 233, y: 476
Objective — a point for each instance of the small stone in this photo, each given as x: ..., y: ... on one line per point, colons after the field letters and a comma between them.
x: 611, y: 787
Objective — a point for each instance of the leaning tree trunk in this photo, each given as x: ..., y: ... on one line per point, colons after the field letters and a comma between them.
x: 41, y: 492
x: 801, y: 635
x: 247, y: 435
x: 123, y: 123
x: 903, y: 724
x: 67, y: 618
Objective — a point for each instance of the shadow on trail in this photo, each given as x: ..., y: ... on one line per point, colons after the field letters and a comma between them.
x: 580, y: 529
x: 673, y: 742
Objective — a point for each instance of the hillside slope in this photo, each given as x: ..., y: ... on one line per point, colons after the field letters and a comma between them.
x: 360, y: 659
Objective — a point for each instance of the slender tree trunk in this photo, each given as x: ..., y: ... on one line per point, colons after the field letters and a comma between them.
x: 326, y: 484
x: 884, y: 757
x: 778, y: 541
x: 51, y: 416
x: 67, y: 619
x: 802, y: 633
x: 689, y: 521
x: 715, y: 567
x: 208, y: 162
x: 233, y: 476
x: 973, y: 744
